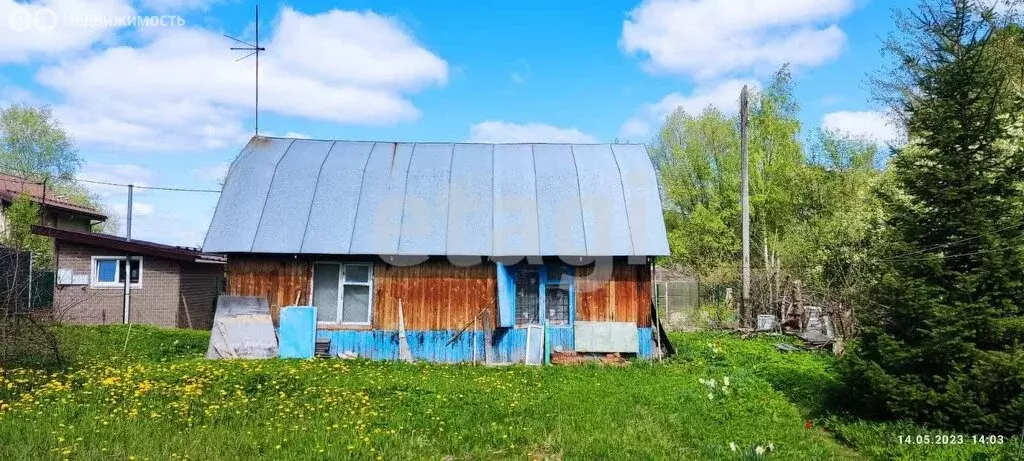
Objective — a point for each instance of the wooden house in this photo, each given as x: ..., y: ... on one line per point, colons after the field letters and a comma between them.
x: 471, y: 249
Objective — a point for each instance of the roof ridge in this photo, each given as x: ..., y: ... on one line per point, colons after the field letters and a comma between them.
x: 460, y: 142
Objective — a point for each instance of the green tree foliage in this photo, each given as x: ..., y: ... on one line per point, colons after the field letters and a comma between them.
x: 808, y: 210
x: 699, y: 171
x: 33, y: 145
x: 20, y: 217
x: 942, y: 337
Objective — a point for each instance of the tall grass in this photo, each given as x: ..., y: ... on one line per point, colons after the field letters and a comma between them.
x: 157, y: 399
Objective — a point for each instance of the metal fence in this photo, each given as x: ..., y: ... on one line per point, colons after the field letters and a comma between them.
x: 15, y: 280
x: 678, y: 303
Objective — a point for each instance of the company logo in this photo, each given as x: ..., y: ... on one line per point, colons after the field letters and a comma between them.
x: 47, y: 20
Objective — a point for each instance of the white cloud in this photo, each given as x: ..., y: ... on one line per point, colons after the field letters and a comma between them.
x: 113, y: 198
x: 115, y: 174
x: 46, y: 28
x: 710, y: 38
x: 724, y: 96
x: 142, y: 209
x: 13, y: 94
x: 503, y: 132
x: 358, y: 48
x: 172, y: 6
x: 182, y: 88
x: 158, y: 216
x: 212, y: 172
x: 873, y: 126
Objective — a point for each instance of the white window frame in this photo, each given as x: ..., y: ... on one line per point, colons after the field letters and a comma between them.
x: 341, y: 292
x: 94, y: 274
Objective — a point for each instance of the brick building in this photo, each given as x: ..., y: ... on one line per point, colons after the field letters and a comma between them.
x: 171, y: 287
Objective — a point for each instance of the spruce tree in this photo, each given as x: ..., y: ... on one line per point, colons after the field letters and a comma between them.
x: 942, y: 338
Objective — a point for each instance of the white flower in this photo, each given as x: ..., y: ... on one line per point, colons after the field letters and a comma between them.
x: 711, y: 396
x: 725, y: 379
x: 732, y: 446
x: 759, y: 450
x: 771, y: 446
x: 712, y: 383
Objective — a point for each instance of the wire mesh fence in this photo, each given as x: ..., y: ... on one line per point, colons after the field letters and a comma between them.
x: 678, y: 303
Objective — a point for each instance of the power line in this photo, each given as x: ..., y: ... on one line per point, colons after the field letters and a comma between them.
x: 171, y: 189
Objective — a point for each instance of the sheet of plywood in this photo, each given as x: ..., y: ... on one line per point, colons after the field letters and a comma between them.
x: 607, y: 337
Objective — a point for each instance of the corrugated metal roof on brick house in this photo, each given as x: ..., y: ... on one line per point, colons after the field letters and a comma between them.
x: 13, y: 186
x: 298, y: 196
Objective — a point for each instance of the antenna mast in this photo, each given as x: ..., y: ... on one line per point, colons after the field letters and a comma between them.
x: 254, y: 49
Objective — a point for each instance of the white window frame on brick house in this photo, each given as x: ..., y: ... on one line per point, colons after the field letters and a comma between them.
x: 342, y: 283
x: 94, y: 281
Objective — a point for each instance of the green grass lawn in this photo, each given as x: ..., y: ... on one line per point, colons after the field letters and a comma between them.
x: 160, y: 400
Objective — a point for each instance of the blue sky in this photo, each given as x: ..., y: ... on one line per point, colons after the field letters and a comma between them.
x: 165, y: 105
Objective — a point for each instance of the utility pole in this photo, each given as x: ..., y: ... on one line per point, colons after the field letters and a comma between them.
x: 745, y: 205
x: 127, y: 274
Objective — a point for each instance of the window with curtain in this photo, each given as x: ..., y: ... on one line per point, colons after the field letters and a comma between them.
x: 342, y: 293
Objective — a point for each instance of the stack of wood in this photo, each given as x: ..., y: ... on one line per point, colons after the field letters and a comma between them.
x: 574, y: 358
x: 567, y: 358
x: 614, y: 359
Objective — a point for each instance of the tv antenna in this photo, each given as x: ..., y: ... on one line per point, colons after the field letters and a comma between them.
x: 254, y: 49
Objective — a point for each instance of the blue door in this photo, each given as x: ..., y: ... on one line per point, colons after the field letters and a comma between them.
x: 558, y: 305
x: 539, y: 295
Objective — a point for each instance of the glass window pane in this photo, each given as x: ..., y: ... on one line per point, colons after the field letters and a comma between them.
x: 557, y: 303
x: 527, y: 296
x: 135, y: 271
x: 357, y: 273
x: 325, y: 292
x: 106, y: 270
x: 355, y: 308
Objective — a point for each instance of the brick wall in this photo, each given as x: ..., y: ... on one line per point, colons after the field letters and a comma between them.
x: 154, y: 303
x: 200, y: 285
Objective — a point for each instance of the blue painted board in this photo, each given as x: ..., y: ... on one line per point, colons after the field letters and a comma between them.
x: 506, y: 295
x: 297, y: 332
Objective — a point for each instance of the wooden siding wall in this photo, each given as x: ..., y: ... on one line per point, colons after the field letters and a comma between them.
x: 436, y: 295
x: 624, y: 297
x: 279, y: 279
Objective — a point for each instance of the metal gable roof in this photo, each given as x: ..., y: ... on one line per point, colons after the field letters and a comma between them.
x: 298, y: 196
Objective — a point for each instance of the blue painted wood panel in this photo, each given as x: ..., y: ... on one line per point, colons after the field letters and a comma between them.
x: 506, y: 296
x: 297, y: 332
x: 509, y: 344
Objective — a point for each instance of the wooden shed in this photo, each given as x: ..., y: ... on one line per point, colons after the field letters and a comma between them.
x: 480, y: 246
